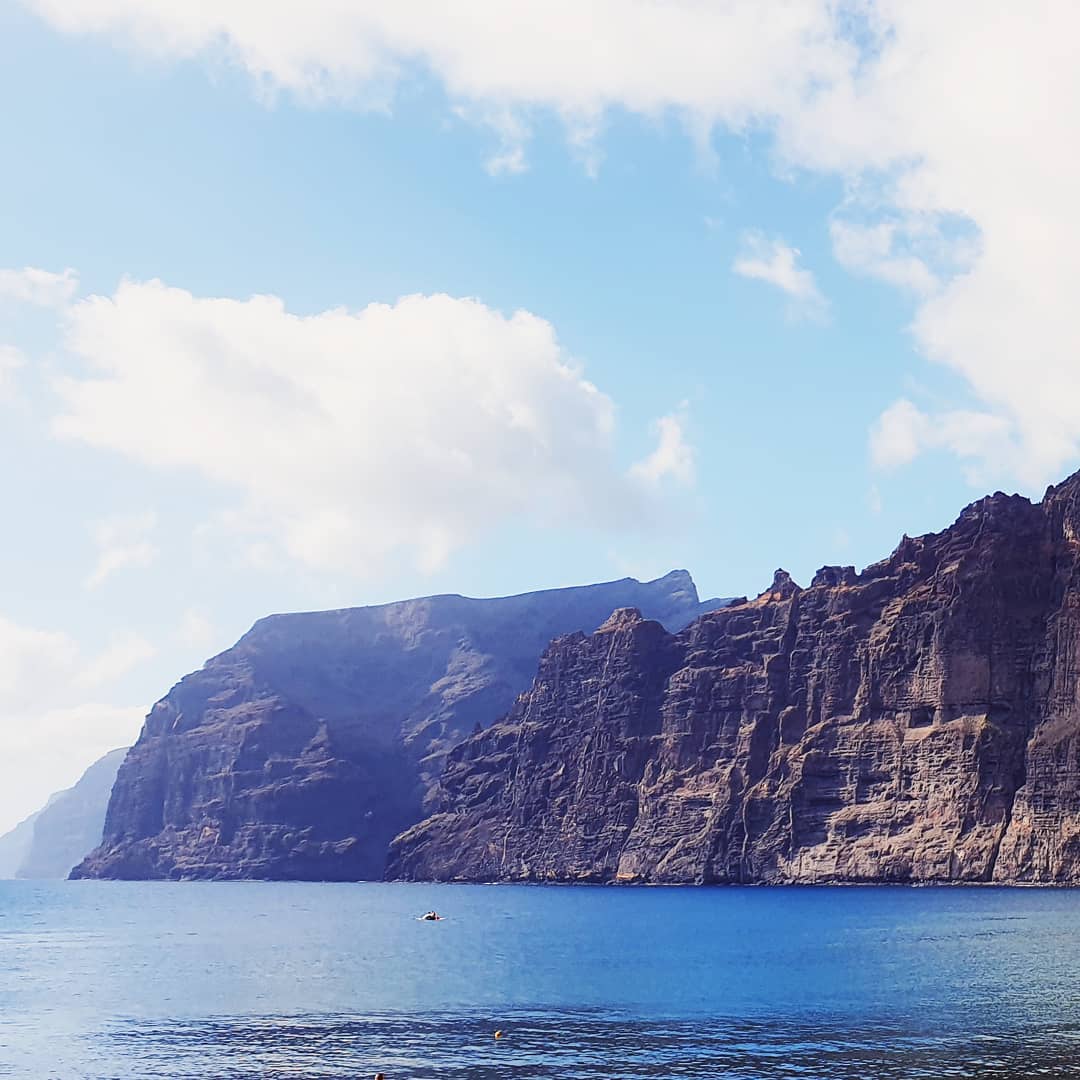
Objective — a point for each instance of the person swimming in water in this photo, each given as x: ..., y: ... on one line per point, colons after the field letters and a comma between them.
x: 431, y: 916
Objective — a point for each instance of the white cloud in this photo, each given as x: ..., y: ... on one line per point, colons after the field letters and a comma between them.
x: 971, y: 120
x: 777, y: 264
x: 40, y: 288
x: 936, y: 113
x: 513, y: 135
x: 673, y: 456
x: 899, y: 435
x: 32, y: 661
x: 728, y: 60
x: 51, y: 726
x: 11, y: 359
x: 904, y: 431
x: 348, y: 436
x: 872, y: 250
x: 46, y: 667
x: 46, y: 750
x: 122, y: 541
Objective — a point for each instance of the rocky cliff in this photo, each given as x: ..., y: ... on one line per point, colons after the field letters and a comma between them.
x: 71, y: 822
x: 919, y: 721
x: 15, y: 844
x: 303, y: 750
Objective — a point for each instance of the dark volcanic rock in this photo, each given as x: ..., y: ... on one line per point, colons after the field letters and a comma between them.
x: 303, y: 750
x: 919, y: 721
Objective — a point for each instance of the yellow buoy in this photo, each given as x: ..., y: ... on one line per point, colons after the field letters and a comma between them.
x: 498, y: 1034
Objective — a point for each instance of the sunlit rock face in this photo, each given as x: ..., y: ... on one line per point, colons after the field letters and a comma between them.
x: 919, y: 721
x: 303, y: 750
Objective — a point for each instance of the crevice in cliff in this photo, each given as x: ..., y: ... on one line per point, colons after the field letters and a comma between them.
x: 766, y: 735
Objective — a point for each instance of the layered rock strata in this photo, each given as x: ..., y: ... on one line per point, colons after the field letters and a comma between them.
x: 917, y: 722
x: 303, y: 750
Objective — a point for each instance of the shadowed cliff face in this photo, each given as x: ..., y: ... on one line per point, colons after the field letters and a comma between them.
x: 303, y: 750
x: 916, y: 722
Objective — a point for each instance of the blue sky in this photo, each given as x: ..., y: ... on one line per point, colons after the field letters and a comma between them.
x: 810, y: 282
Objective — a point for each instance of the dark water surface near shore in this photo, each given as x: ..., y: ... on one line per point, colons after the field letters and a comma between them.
x: 129, y: 980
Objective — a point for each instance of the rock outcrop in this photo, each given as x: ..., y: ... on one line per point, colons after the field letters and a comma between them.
x: 303, y: 750
x: 919, y: 721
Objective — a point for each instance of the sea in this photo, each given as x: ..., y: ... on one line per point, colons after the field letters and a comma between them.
x: 230, y: 980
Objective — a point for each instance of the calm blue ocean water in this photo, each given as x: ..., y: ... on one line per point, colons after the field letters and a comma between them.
x: 295, y: 980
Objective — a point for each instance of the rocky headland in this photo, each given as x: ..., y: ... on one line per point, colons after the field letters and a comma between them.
x: 48, y: 843
x: 71, y: 823
x: 916, y: 722
x: 301, y: 752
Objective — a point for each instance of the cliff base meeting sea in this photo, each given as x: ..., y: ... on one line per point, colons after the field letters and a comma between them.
x: 231, y: 980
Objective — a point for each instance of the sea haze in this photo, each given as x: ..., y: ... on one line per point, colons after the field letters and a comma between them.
x: 142, y: 980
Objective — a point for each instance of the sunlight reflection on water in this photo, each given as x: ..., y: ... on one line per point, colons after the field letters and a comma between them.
x: 149, y: 981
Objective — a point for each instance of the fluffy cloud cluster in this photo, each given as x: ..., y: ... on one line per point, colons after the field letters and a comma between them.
x: 726, y: 60
x: 52, y: 721
x: 953, y: 125
x: 41, y: 288
x: 904, y: 431
x: 351, y: 435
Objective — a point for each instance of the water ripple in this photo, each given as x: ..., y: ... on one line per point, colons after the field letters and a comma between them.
x: 571, y: 1046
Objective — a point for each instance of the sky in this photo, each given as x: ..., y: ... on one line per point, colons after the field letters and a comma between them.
x: 329, y: 304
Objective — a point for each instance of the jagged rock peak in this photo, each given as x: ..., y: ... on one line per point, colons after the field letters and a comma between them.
x: 1071, y: 484
x: 834, y: 576
x: 990, y: 506
x: 621, y: 619
x: 782, y: 587
x: 1062, y: 505
x: 680, y: 581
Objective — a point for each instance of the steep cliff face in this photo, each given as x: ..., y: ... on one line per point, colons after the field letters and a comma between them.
x: 14, y: 845
x: 303, y: 750
x: 919, y: 721
x: 71, y: 823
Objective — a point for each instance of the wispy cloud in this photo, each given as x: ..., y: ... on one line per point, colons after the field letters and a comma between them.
x: 673, y: 457
x: 55, y: 710
x: 123, y: 541
x: 774, y: 262
x: 904, y: 431
x: 878, y: 251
